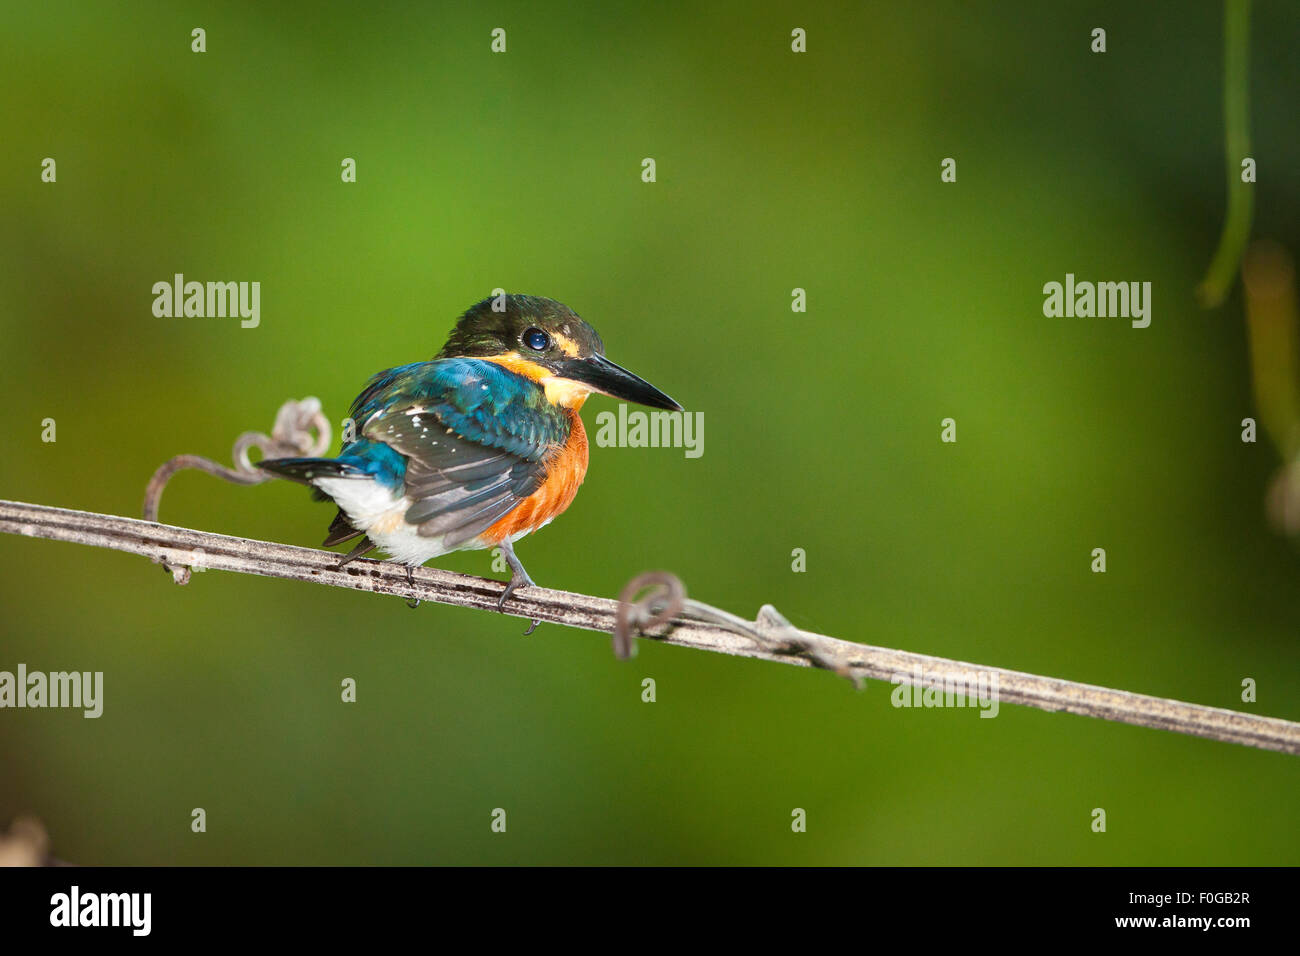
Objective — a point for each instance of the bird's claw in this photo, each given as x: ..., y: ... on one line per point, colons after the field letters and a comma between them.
x: 516, y: 582
x: 412, y: 603
x: 518, y: 578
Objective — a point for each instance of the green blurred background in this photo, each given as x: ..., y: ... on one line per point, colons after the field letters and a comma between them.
x: 775, y: 171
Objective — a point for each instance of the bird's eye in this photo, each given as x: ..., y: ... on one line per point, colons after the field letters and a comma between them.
x: 537, y: 340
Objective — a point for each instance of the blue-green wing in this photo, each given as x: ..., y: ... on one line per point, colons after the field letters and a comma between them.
x: 474, y: 436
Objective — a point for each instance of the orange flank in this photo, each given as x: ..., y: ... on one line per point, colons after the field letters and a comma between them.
x: 565, y: 469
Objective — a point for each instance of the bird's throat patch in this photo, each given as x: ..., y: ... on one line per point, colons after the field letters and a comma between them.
x: 559, y: 391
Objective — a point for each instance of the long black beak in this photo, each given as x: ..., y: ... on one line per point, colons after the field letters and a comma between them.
x: 613, y: 380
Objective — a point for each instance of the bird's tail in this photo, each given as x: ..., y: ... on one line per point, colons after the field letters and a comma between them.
x: 307, y: 470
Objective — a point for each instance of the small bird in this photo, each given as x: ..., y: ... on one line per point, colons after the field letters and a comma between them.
x: 477, y: 447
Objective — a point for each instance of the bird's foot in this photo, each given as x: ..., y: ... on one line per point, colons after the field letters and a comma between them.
x: 410, y: 579
x: 518, y: 578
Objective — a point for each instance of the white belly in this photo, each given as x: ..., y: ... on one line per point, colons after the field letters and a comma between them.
x: 379, y: 512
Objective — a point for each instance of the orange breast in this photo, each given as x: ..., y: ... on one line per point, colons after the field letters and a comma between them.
x: 565, y: 469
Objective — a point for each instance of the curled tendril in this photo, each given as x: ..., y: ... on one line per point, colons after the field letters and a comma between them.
x: 642, y: 615
x: 291, y: 436
x: 665, y: 599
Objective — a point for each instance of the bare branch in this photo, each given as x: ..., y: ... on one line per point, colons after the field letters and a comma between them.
x: 697, y: 626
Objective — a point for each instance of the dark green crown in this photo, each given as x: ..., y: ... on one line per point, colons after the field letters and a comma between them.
x: 482, y: 331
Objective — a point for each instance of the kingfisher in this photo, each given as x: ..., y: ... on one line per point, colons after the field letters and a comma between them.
x: 475, y: 448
